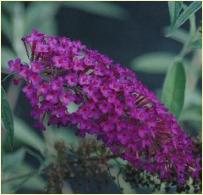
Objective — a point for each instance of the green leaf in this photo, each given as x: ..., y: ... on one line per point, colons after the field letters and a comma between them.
x: 35, y: 183
x: 8, y: 6
x: 174, y: 88
x: 13, y: 160
x: 7, y: 54
x: 6, y: 27
x: 191, y: 114
x: 197, y: 44
x: 28, y: 136
x: 187, y: 13
x: 192, y: 98
x: 100, y: 8
x: 7, y: 119
x: 18, y: 18
x: 179, y: 35
x: 174, y: 10
x: 45, y: 21
x: 155, y: 62
x: 32, y: 182
x: 72, y: 107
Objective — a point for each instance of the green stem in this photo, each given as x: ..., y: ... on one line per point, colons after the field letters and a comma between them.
x: 186, y: 47
x: 18, y: 29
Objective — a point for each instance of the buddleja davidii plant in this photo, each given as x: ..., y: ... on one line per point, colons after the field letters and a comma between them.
x: 105, y: 109
x: 108, y: 98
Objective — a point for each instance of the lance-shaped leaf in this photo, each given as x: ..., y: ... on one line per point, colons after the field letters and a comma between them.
x: 154, y: 62
x: 187, y: 13
x: 174, y: 10
x: 28, y: 136
x: 45, y: 21
x: 174, y: 88
x: 111, y: 10
x: 7, y: 119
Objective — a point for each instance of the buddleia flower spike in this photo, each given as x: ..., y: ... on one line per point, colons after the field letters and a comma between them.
x: 109, y: 102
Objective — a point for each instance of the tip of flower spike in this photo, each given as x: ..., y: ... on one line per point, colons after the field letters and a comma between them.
x: 33, y: 37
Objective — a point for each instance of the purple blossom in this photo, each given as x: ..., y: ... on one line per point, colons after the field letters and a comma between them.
x: 114, y: 105
x: 15, y: 65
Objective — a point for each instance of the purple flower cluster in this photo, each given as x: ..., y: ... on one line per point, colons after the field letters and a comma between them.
x: 111, y: 102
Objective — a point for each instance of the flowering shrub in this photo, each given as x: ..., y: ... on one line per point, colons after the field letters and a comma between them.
x: 69, y: 84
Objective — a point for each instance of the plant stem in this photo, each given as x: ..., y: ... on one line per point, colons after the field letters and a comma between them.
x: 186, y: 47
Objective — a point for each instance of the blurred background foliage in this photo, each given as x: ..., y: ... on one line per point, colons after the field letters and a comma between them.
x: 160, y: 41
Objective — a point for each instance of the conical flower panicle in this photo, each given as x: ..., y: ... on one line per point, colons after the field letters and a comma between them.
x: 109, y: 101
